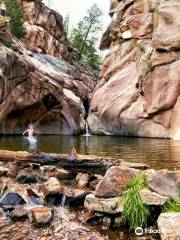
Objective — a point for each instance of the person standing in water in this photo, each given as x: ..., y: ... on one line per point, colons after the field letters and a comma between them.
x: 30, y: 132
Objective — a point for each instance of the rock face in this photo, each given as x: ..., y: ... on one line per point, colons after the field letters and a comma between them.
x: 104, y: 205
x: 168, y: 224
x: 151, y: 198
x: 41, y: 80
x: 114, y: 182
x: 166, y: 183
x: 139, y: 91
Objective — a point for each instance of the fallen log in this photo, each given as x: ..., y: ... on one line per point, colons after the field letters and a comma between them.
x: 73, y: 161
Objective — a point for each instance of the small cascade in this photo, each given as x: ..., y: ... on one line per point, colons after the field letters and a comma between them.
x: 177, y: 136
x: 87, y: 133
x: 63, y: 201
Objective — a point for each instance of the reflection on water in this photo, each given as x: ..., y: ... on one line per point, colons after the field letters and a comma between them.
x: 158, y: 153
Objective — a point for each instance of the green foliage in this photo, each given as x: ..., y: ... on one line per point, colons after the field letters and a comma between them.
x: 141, y: 47
x: 12, y: 46
x: 84, y: 37
x: 66, y: 24
x: 15, y: 12
x: 3, y: 21
x: 172, y: 206
x: 135, y: 212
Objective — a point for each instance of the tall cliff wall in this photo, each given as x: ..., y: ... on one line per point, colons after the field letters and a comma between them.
x: 139, y: 91
x: 41, y: 79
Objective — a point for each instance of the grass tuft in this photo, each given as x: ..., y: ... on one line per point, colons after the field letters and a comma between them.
x: 172, y: 206
x: 135, y: 212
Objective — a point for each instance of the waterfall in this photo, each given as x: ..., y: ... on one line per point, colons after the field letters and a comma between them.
x: 177, y: 136
x: 63, y: 201
x: 87, y: 133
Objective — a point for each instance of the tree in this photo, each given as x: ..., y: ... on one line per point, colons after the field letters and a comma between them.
x: 66, y: 24
x: 84, y: 37
x: 15, y: 12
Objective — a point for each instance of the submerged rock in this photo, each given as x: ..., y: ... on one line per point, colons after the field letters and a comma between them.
x: 106, y: 223
x: 82, y: 179
x: 53, y: 186
x: 11, y: 199
x: 42, y: 215
x: 3, y: 171
x: 168, y: 225
x: 75, y: 196
x: 114, y: 182
x: 27, y: 175
x: 63, y: 174
x: 104, y: 205
x: 166, y: 183
x: 19, y: 213
x: 151, y: 198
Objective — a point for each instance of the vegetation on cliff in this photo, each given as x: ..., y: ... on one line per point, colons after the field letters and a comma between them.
x: 15, y: 12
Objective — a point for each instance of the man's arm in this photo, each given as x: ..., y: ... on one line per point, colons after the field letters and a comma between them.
x: 25, y: 132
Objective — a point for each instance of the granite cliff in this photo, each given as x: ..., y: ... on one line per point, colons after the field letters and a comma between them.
x: 139, y: 90
x: 41, y: 80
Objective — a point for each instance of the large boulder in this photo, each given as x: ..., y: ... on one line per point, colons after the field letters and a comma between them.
x: 104, y: 205
x: 53, y: 186
x: 42, y: 215
x: 115, y: 181
x: 151, y: 198
x: 11, y: 199
x: 168, y: 225
x: 138, y: 94
x: 166, y: 183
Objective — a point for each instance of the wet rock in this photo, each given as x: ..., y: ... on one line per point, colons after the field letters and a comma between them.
x: 89, y: 217
x: 12, y: 173
x: 34, y: 192
x: 42, y: 215
x: 118, y: 221
x: 104, y: 205
x: 19, y: 213
x: 165, y: 183
x: 74, y: 196
x: 27, y: 175
x: 114, y: 182
x: 47, y: 170
x: 93, y: 182
x: 1, y: 212
x: 63, y: 174
x: 106, y: 223
x: 3, y: 187
x: 140, y: 166
x: 168, y: 225
x: 3, y: 171
x: 152, y: 198
x: 11, y: 199
x: 82, y: 179
x: 53, y: 191
x: 53, y: 186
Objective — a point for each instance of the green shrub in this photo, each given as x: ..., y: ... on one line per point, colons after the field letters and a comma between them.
x: 15, y: 12
x: 172, y: 206
x: 12, y: 46
x: 135, y: 212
